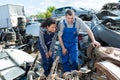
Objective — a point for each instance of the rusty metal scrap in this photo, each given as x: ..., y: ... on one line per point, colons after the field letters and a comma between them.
x: 53, y: 73
x: 104, y: 53
x: 55, y: 66
x: 111, y: 73
x: 54, y: 77
x: 67, y: 76
x: 73, y: 75
x: 109, y: 55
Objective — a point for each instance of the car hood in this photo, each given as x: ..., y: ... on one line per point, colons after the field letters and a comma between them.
x: 33, y: 29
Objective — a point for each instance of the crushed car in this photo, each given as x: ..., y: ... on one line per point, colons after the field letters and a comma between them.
x: 107, y: 34
x: 80, y: 12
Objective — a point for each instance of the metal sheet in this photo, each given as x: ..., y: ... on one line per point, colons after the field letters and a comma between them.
x: 113, y: 68
x: 12, y: 73
x: 19, y: 56
x: 3, y: 54
x: 6, y: 63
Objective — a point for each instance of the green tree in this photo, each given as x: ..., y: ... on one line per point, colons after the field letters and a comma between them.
x: 49, y: 11
x: 46, y: 14
x: 51, y: 8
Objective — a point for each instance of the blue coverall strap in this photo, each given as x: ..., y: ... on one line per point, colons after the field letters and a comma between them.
x: 74, y: 23
x: 64, y: 23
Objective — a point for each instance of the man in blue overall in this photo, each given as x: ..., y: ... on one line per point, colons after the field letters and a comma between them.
x: 68, y: 38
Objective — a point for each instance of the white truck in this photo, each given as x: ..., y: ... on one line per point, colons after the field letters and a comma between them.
x: 10, y: 14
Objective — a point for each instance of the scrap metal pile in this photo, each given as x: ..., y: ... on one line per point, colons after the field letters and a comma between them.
x: 17, y: 64
x: 106, y: 61
x: 102, y: 61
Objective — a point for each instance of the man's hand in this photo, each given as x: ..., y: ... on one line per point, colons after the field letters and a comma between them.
x: 64, y: 51
x: 96, y: 44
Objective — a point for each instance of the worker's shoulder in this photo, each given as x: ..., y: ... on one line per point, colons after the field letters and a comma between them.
x: 78, y: 19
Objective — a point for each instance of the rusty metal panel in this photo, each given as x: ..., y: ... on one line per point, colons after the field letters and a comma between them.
x: 111, y: 70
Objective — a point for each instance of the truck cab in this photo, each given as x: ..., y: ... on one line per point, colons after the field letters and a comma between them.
x: 10, y: 14
x: 11, y: 17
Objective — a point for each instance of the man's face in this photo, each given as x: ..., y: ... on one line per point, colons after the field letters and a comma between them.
x: 70, y: 19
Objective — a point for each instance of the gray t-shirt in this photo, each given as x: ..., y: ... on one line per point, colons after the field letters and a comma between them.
x: 80, y: 26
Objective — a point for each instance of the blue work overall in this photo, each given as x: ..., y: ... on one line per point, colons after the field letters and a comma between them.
x: 70, y: 40
x: 46, y: 62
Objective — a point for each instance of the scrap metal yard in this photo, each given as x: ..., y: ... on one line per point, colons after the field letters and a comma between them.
x: 20, y: 58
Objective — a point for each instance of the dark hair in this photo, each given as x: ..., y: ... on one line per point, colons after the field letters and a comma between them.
x: 69, y: 12
x: 48, y: 22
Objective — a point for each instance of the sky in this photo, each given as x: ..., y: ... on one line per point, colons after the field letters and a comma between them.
x: 35, y: 6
